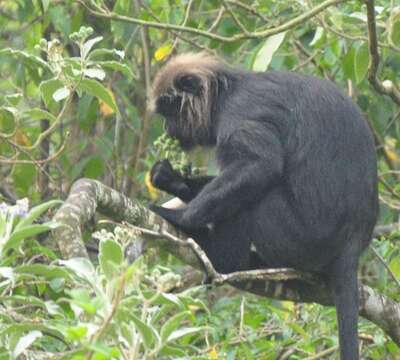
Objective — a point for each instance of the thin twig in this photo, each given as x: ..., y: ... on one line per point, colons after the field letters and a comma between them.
x: 248, y: 8
x: 185, y: 20
x: 33, y: 161
x: 323, y: 354
x: 217, y: 20
x: 385, y: 264
x: 175, y: 33
x: 299, y: 46
x: 389, y: 88
x: 235, y: 18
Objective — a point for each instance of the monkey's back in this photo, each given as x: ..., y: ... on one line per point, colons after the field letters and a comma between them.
x: 328, y: 194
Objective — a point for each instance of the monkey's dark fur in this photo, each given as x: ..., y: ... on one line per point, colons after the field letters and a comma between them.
x: 298, y: 176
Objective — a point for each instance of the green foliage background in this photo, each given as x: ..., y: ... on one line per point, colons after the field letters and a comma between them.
x: 75, y: 77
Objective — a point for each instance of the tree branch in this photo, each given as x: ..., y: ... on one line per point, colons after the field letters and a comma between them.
x: 386, y: 87
x: 88, y: 196
x: 99, y: 12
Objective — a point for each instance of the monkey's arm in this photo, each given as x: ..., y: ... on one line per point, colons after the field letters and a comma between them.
x: 252, y: 164
x: 165, y: 178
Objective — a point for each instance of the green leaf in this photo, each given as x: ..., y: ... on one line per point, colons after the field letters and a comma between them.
x: 76, y: 333
x: 45, y: 4
x: 36, y: 212
x: 30, y: 59
x: 87, y: 46
x: 23, y: 300
x: 361, y: 61
x: 318, y: 36
x: 395, y: 266
x: 82, y: 298
x: 147, y: 332
x: 57, y: 284
x: 24, y: 176
x: 93, y: 167
x: 13, y: 99
x: 61, y: 93
x: 101, y: 52
x: 183, y: 332
x: 394, y: 30
x: 95, y: 73
x: 47, y: 89
x: 115, y: 65
x: 60, y: 18
x: 21, y: 328
x: 18, y: 236
x: 168, y: 299
x: 348, y: 64
x: 267, y: 51
x: 173, y: 352
x: 39, y: 114
x: 95, y: 88
x: 26, y: 341
x: 172, y: 324
x: 297, y: 328
x: 110, y: 257
x: 47, y: 271
x: 81, y: 267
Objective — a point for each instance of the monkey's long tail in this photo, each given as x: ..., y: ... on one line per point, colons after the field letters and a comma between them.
x: 345, y: 289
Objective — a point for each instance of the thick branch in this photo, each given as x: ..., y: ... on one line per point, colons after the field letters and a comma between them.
x: 88, y: 196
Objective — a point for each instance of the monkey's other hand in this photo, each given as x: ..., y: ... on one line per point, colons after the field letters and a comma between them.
x: 162, y: 174
x: 165, y: 178
x: 176, y: 217
x: 173, y: 216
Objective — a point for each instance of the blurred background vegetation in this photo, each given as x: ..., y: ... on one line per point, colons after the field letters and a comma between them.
x: 75, y: 77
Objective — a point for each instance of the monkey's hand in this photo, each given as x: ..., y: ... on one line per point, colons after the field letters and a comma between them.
x: 176, y: 217
x: 165, y: 178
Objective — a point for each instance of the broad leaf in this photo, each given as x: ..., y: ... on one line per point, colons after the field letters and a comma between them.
x: 101, y: 52
x: 95, y: 73
x: 47, y: 88
x: 39, y: 114
x: 177, y: 334
x: 394, y: 30
x: 95, y: 88
x: 267, y: 51
x: 36, y: 212
x: 318, y: 36
x: 147, y: 332
x: 81, y: 267
x: 26, y: 341
x: 47, y: 271
x: 18, y: 236
x: 172, y: 324
x: 61, y: 94
x: 26, y: 57
x: 115, y: 65
x: 110, y: 257
x: 361, y: 61
x: 87, y: 46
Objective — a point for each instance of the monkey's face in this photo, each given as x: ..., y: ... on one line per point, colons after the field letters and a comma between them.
x: 170, y: 107
x: 185, y: 103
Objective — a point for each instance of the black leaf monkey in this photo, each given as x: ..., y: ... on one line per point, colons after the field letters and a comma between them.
x: 297, y: 180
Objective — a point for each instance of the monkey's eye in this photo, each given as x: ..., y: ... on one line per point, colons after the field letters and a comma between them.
x: 168, y: 105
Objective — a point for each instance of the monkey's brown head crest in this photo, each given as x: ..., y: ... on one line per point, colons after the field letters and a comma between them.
x: 173, y: 76
x: 184, y: 91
